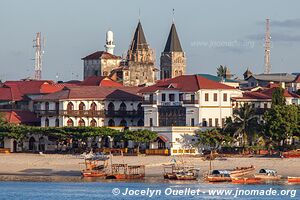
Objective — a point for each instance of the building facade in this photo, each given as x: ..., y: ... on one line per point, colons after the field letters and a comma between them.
x: 92, y: 106
x: 188, y: 100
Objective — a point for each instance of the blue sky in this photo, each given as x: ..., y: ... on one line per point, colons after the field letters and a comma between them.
x: 211, y: 32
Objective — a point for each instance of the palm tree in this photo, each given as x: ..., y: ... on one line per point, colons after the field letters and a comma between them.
x: 244, y: 124
x: 222, y: 71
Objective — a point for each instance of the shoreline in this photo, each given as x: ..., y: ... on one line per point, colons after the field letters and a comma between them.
x: 67, y: 168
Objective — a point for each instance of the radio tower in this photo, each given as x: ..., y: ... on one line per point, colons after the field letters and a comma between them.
x: 38, y: 57
x: 267, y: 47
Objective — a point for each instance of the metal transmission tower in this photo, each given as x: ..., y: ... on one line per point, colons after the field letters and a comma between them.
x: 37, y: 44
x: 267, y: 47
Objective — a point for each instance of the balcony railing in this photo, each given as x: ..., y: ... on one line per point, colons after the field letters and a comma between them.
x: 91, y: 113
x: 149, y: 102
x: 194, y: 101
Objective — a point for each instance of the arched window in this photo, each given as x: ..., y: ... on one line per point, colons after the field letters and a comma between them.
x: 122, y: 107
x: 70, y: 107
x: 140, y: 122
x: 123, y: 122
x: 180, y: 73
x: 176, y: 73
x: 93, y: 106
x: 81, y: 122
x: 57, y: 122
x: 46, y: 122
x: 111, y: 122
x: 111, y: 108
x: 81, y: 106
x: 70, y: 122
x: 93, y: 123
x: 31, y: 144
x: 140, y: 108
x: 47, y: 106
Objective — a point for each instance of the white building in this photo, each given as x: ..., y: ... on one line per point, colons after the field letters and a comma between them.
x: 92, y: 106
x: 188, y: 100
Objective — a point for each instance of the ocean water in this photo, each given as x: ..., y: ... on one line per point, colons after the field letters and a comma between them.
x: 141, y: 191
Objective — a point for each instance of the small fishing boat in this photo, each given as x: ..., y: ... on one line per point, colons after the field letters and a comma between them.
x: 292, y: 154
x: 267, y: 174
x: 124, y: 171
x: 217, y: 176
x: 250, y: 180
x: 241, y: 171
x: 95, y: 165
x: 293, y: 179
x: 180, y: 172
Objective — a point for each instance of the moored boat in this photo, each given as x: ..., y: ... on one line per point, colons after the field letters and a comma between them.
x: 180, y: 172
x: 293, y: 179
x: 292, y: 154
x: 217, y: 176
x: 267, y: 174
x: 95, y: 165
x: 242, y: 171
x: 250, y: 180
x: 124, y: 171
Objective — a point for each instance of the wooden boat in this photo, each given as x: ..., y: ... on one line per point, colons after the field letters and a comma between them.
x: 95, y: 165
x: 217, y: 176
x: 292, y: 154
x: 267, y: 174
x: 293, y: 179
x: 124, y: 171
x: 241, y: 171
x: 180, y: 172
x: 250, y: 180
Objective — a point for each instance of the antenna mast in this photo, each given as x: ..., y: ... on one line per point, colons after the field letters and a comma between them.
x: 267, y: 47
x: 37, y: 44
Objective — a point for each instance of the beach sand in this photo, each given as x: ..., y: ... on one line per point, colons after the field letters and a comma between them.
x: 56, y: 167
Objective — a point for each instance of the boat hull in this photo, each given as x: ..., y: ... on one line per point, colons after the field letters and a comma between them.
x: 218, y: 179
x: 88, y: 173
x: 267, y: 177
x: 293, y: 179
x: 125, y: 176
x: 246, y: 180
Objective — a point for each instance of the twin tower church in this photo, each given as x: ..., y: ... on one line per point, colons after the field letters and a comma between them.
x: 138, y: 67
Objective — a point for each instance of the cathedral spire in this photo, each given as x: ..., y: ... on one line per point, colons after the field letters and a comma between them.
x: 139, y: 40
x: 173, y: 43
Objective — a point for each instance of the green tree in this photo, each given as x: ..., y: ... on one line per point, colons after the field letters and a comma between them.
x: 280, y: 123
x: 222, y: 71
x: 140, y: 136
x: 244, y: 124
x: 277, y: 97
x: 213, y: 138
x: 2, y: 118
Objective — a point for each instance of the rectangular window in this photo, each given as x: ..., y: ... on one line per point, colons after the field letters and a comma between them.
x: 206, y: 96
x: 171, y: 97
x: 163, y: 97
x: 265, y: 105
x: 225, y: 97
x: 192, y: 122
x: 253, y: 105
x: 192, y: 97
x: 180, y: 97
x: 210, y: 122
x: 204, y: 123
x: 223, y: 122
x: 215, y: 97
x: 151, y: 122
x: 216, y: 122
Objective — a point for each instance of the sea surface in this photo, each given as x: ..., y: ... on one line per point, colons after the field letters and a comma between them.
x: 142, y: 191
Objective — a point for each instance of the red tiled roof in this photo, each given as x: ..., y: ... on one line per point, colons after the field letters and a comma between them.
x: 297, y: 80
x: 100, y: 81
x: 266, y: 94
x: 100, y: 54
x: 94, y: 92
x: 21, y: 117
x: 186, y: 83
x: 286, y: 93
x: 29, y: 86
x: 11, y: 93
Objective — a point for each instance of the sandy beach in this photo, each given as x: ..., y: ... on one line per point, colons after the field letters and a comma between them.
x: 56, y: 167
